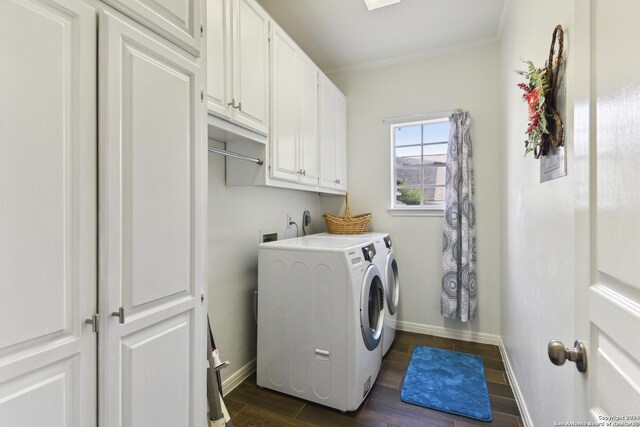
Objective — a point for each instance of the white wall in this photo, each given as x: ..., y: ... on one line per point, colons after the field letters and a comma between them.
x: 537, y: 248
x: 236, y: 216
x: 459, y: 79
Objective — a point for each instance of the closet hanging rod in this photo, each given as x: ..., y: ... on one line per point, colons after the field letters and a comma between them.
x: 234, y: 155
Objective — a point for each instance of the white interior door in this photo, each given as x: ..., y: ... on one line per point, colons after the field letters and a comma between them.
x: 47, y: 213
x: 152, y: 170
x: 607, y: 127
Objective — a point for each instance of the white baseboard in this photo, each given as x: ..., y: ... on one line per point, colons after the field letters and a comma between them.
x: 524, y: 412
x: 240, y: 375
x: 439, y: 331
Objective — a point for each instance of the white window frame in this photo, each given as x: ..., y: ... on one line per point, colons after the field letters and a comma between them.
x: 434, y: 209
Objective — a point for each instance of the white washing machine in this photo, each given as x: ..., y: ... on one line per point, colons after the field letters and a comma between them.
x: 385, y: 260
x: 320, y: 319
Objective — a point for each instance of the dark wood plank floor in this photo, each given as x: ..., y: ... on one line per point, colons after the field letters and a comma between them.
x: 249, y: 405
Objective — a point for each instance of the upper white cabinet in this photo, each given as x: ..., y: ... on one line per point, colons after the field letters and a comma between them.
x: 176, y: 20
x: 308, y: 156
x: 333, y: 136
x: 219, y: 57
x: 238, y: 62
x: 294, y: 125
x: 303, y: 114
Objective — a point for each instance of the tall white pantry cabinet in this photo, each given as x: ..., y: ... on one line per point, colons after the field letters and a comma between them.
x: 102, y: 213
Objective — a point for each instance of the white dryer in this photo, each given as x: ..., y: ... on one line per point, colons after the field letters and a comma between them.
x: 391, y: 281
x: 320, y: 319
x: 385, y: 260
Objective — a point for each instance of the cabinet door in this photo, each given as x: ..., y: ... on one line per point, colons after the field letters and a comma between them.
x: 333, y: 136
x: 285, y: 107
x: 47, y: 213
x: 308, y: 112
x: 327, y: 117
x: 341, y: 141
x: 176, y: 20
x: 251, y: 65
x: 219, y: 57
x: 153, y: 171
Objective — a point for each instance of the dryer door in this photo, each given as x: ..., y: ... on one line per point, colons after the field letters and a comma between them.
x: 372, y: 307
x: 392, y: 290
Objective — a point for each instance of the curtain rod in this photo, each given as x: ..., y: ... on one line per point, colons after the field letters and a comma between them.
x: 234, y: 155
x: 420, y: 117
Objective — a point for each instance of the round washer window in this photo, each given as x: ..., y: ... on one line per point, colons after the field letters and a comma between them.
x: 372, y: 308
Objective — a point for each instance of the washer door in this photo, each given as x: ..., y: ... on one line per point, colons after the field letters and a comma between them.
x: 372, y: 307
x: 392, y: 291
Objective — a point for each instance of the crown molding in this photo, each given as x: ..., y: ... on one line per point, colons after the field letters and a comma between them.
x: 410, y: 57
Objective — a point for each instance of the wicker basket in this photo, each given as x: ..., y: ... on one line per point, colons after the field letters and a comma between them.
x: 348, y: 224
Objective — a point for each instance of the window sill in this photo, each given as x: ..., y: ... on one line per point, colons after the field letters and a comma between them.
x: 423, y: 211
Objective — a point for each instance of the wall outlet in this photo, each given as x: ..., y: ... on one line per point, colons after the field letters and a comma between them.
x: 289, y: 219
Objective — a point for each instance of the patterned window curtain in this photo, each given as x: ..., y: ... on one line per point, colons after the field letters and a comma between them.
x: 458, y: 300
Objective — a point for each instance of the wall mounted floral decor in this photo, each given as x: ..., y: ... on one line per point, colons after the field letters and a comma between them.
x: 545, y: 128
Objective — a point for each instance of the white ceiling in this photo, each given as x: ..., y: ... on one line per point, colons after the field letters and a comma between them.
x: 342, y: 33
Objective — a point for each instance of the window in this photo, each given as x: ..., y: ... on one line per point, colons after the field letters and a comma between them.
x: 419, y: 154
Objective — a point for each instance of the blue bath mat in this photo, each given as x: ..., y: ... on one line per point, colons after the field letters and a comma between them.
x: 447, y: 381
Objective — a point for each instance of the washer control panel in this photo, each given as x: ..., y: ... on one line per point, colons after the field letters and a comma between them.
x: 387, y: 242
x: 369, y: 252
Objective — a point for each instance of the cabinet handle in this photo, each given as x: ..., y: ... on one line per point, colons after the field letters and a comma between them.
x: 232, y: 104
x: 304, y: 172
x: 337, y: 181
x: 94, y: 322
x: 119, y: 314
x: 239, y: 106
